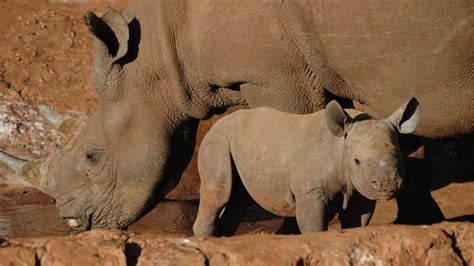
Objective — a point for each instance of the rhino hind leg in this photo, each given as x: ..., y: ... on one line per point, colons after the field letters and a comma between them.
x: 214, y: 195
x: 240, y: 201
x: 207, y: 217
x: 218, y: 177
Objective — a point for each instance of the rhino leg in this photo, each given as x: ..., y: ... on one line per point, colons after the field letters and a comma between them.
x: 207, y: 217
x: 240, y: 201
x: 358, y: 213
x: 216, y: 172
x: 311, y: 213
x: 213, y: 199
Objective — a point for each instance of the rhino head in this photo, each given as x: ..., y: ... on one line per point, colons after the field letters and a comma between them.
x: 371, y: 159
x: 131, y: 152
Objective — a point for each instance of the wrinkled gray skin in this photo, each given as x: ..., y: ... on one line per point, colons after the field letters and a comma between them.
x: 308, y: 166
x: 161, y: 66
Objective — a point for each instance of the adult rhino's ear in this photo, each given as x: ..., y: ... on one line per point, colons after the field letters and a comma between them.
x: 112, y: 33
x: 337, y: 119
x: 406, y: 118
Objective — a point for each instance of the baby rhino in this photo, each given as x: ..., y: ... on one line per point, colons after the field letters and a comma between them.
x: 309, y: 166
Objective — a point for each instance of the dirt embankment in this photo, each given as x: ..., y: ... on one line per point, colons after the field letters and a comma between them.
x: 443, y: 244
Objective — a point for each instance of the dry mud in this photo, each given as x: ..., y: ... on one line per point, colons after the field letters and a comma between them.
x: 442, y: 244
x: 46, y: 59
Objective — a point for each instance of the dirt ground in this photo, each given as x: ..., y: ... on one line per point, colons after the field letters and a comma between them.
x: 442, y: 244
x: 45, y: 58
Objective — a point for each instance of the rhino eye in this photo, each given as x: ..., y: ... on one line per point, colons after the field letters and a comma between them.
x: 356, y: 161
x: 92, y: 157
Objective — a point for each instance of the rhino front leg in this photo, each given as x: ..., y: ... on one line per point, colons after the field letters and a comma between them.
x: 216, y: 170
x: 311, y: 213
x: 358, y: 212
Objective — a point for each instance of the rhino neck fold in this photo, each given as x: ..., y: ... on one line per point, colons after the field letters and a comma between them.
x: 192, y: 93
x: 340, y: 151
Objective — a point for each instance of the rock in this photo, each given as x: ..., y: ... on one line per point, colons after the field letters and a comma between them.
x: 441, y: 244
x: 166, y: 252
x: 17, y: 256
x: 90, y: 248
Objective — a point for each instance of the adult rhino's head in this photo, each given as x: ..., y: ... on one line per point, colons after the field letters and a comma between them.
x: 370, y: 155
x: 132, y: 151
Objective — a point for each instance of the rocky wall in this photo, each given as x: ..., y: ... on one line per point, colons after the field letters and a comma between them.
x: 442, y: 244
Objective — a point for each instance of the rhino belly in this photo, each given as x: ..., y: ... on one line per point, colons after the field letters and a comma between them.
x: 271, y: 191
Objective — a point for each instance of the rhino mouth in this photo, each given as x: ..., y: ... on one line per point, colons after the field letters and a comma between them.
x: 78, y: 223
x: 384, y: 195
x: 74, y: 223
x: 384, y: 190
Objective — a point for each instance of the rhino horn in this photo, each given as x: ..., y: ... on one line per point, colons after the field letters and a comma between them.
x: 53, y: 117
x: 67, y: 126
x: 30, y: 171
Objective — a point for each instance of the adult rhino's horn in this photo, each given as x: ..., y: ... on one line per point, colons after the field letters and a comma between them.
x: 66, y: 125
x: 30, y: 171
x: 53, y: 117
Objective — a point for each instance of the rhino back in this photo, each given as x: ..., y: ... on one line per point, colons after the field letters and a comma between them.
x: 378, y: 54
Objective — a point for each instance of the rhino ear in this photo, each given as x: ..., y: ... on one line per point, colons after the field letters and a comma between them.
x: 406, y: 118
x: 337, y: 119
x: 112, y: 31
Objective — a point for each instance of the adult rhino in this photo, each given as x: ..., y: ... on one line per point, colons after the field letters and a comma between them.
x: 161, y: 66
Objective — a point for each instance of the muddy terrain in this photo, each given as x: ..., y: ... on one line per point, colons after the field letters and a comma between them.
x: 46, y: 59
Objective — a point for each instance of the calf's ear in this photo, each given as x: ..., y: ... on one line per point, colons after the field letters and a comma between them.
x: 337, y: 119
x: 406, y: 118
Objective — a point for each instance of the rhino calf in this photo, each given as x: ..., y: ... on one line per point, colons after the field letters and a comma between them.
x: 309, y: 166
